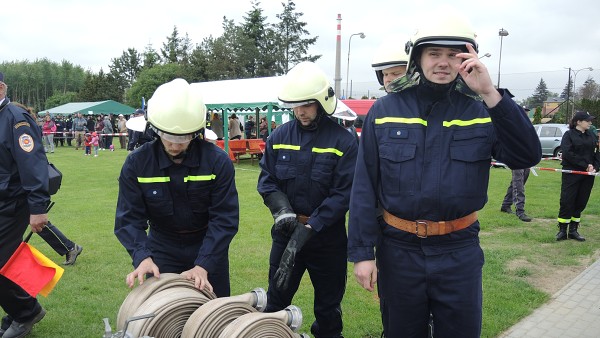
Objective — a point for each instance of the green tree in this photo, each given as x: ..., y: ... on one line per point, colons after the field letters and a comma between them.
x: 261, y: 61
x: 537, y: 115
x: 150, y: 57
x: 149, y: 79
x: 176, y: 49
x: 541, y: 94
x: 292, y: 48
x: 590, y: 90
x: 126, y: 68
x: 59, y: 99
x: 567, y: 91
x: 100, y: 87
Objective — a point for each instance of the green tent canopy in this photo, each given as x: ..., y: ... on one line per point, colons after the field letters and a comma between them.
x: 90, y: 108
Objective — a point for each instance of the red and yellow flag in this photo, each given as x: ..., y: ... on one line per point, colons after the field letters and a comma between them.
x: 32, y: 271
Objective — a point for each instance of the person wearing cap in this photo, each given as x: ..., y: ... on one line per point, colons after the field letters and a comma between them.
x: 122, y: 128
x: 389, y: 62
x: 181, y: 189
x: 580, y: 153
x: 515, y: 193
x: 305, y: 180
x: 421, y: 176
x: 24, y: 198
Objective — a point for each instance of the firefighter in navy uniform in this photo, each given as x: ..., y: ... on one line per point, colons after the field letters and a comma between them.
x: 424, y: 161
x: 305, y: 181
x: 24, y: 198
x: 182, y: 188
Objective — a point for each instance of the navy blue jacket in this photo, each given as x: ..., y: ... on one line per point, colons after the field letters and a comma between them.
x: 197, y: 195
x: 313, y: 168
x: 579, y: 149
x: 430, y: 160
x: 23, y: 163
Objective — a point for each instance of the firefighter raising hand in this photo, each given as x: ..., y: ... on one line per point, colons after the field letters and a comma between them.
x: 477, y: 77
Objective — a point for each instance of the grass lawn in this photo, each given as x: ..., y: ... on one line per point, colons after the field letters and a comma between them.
x: 524, y: 264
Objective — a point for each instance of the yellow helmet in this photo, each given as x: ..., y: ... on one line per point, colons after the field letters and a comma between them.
x: 390, y: 54
x: 176, y: 111
x: 306, y: 83
x: 445, y: 29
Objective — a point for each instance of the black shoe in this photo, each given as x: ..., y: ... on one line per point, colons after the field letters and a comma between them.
x: 506, y: 210
x: 72, y: 255
x: 524, y: 218
x: 17, y: 330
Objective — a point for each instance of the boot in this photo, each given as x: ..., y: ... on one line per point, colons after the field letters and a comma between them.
x: 562, y: 231
x: 573, y: 234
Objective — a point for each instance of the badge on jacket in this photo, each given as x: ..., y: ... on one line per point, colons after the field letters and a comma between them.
x: 26, y: 142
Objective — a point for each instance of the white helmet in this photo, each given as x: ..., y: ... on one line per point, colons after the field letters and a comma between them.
x: 391, y: 53
x: 176, y: 111
x: 306, y: 83
x: 446, y: 29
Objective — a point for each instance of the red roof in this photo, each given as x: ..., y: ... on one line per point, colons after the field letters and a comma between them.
x: 360, y: 107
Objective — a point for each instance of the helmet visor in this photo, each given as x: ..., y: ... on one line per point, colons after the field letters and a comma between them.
x: 175, y: 138
x: 296, y: 104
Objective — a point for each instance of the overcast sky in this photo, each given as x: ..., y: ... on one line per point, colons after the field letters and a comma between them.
x: 545, y: 36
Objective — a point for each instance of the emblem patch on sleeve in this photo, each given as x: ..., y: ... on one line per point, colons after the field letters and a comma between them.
x: 26, y: 142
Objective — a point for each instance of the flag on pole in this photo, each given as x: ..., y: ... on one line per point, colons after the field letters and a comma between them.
x: 32, y: 271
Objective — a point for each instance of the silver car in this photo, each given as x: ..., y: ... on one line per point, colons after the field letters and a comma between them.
x: 550, y: 135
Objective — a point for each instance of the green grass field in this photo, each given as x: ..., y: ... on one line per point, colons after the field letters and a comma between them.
x: 520, y: 257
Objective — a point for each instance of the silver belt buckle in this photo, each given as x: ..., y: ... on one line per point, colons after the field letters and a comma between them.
x: 418, y: 225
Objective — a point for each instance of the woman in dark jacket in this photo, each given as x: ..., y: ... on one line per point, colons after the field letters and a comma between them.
x: 579, y: 153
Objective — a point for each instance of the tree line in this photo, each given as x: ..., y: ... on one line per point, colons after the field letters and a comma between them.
x: 250, y: 49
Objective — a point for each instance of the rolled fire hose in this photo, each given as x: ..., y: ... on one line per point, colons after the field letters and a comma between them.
x: 172, y: 308
x: 209, y: 320
x: 281, y: 324
x: 153, y: 286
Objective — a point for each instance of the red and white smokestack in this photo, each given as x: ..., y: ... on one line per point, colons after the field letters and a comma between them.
x: 338, y: 52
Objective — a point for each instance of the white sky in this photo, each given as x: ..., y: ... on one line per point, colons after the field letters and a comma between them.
x: 545, y: 35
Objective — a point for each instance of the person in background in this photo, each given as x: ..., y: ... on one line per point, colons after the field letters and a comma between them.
x: 138, y: 138
x: 48, y: 130
x: 249, y: 127
x: 94, y: 142
x: 273, y: 126
x: 107, y: 130
x: 178, y: 208
x: 216, y: 125
x: 515, y: 193
x: 88, y: 143
x: 579, y: 152
x: 23, y: 200
x: 69, y: 129
x: 389, y: 62
x: 59, y: 137
x: 264, y: 128
x: 79, y: 130
x: 421, y: 176
x: 305, y: 181
x: 122, y: 128
x: 235, y: 132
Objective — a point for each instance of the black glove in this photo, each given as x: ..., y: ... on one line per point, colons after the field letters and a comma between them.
x: 283, y: 215
x: 299, y: 237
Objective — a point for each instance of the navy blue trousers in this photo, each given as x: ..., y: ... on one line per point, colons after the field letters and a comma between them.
x: 412, y: 285
x: 325, y: 258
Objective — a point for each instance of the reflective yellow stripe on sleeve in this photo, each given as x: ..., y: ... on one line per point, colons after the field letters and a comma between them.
x: 154, y: 179
x: 327, y: 150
